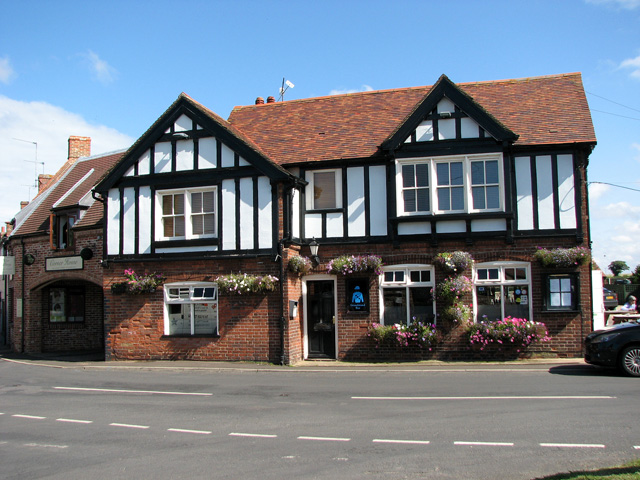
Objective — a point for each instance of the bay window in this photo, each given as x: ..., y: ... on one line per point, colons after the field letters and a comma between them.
x: 502, y: 290
x: 407, y: 294
x: 191, y: 309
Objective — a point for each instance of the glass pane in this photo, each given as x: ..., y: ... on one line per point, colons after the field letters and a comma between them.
x: 209, y: 292
x: 179, y: 319
x: 324, y: 185
x: 492, y: 171
x: 555, y: 299
x: 209, y: 224
x: 444, y: 202
x: 565, y: 284
x: 178, y: 204
x: 442, y: 171
x: 57, y: 308
x: 196, y: 202
x: 422, y: 175
x: 196, y: 223
x: 423, y: 200
x: 388, y: 276
x: 488, y: 299
x: 421, y: 305
x: 509, y: 274
x: 477, y: 173
x: 566, y: 299
x: 554, y: 284
x: 75, y: 307
x: 206, y: 318
x: 516, y: 298
x: 493, y: 197
x: 395, y: 306
x: 168, y: 227
x: 457, y: 198
x: 483, y: 274
x: 409, y: 197
x: 208, y: 202
x: 399, y: 276
x: 167, y: 204
x: 494, y: 274
x: 521, y: 273
x: 408, y: 177
x: 179, y: 224
x: 197, y: 292
x: 478, y: 198
x: 456, y: 173
x: 414, y: 275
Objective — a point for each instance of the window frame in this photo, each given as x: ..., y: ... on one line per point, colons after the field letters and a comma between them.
x: 407, y: 283
x: 68, y: 294
x: 188, y: 213
x: 310, y: 189
x: 190, y: 299
x: 434, y: 187
x: 501, y: 282
x: 56, y: 234
x: 574, y: 290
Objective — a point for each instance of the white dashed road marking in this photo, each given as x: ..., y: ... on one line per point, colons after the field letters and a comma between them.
x: 256, y: 435
x: 413, y: 442
x: 113, y: 390
x: 573, y: 445
x: 128, y: 425
x: 30, y: 417
x: 72, y: 420
x: 485, y: 444
x: 181, y: 430
x: 325, y: 439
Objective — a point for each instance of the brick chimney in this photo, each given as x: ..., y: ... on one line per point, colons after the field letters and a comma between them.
x: 23, y: 204
x: 78, y: 147
x: 43, y: 182
x: 259, y: 101
x: 271, y: 99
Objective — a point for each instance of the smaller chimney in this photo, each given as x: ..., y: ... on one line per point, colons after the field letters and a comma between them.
x: 259, y: 101
x: 23, y: 204
x: 43, y: 182
x: 271, y: 99
x: 78, y: 147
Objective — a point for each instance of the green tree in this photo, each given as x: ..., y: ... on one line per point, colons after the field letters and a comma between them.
x: 617, y: 267
x: 635, y: 276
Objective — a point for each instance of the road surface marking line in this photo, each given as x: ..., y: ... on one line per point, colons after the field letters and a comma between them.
x: 486, y: 444
x: 258, y: 435
x: 181, y: 430
x: 73, y: 420
x: 637, y: 447
x: 413, y: 442
x: 44, y: 445
x: 128, y: 425
x: 524, y: 397
x: 114, y: 390
x: 31, y: 417
x: 573, y: 445
x: 325, y: 439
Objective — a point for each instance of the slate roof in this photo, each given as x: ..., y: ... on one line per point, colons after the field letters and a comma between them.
x: 67, y: 191
x: 548, y: 110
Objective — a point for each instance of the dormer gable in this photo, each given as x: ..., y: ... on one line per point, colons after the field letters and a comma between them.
x: 445, y: 114
x: 189, y: 138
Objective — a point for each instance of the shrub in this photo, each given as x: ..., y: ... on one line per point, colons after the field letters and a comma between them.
x: 241, y: 283
x: 563, y: 257
x: 416, y: 334
x: 350, y: 264
x: 509, y: 333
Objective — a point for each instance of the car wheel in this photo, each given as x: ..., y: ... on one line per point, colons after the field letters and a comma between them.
x: 630, y: 361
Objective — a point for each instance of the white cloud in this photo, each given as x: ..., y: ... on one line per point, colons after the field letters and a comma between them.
x: 622, y: 239
x: 50, y: 127
x: 625, y: 4
x: 342, y: 91
x: 621, y: 209
x: 6, y: 71
x: 102, y: 71
x: 633, y: 64
x: 597, y: 190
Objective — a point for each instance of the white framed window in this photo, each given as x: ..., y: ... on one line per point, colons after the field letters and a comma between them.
x: 191, y: 308
x: 186, y: 213
x: 441, y: 185
x: 324, y: 190
x: 502, y: 289
x: 406, y: 294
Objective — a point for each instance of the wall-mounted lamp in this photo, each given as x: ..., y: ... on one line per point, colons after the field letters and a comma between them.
x: 313, y: 246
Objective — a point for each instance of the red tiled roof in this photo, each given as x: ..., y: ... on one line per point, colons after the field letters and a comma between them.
x: 549, y: 110
x: 37, y: 221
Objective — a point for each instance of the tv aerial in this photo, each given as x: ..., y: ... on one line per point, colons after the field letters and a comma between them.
x: 286, y: 85
x: 35, y: 162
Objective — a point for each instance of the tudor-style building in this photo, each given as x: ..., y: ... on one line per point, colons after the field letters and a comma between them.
x: 496, y: 169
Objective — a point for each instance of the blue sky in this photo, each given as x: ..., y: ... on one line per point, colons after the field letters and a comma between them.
x: 108, y: 70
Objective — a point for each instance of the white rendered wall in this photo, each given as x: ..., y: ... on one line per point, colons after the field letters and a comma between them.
x: 128, y: 221
x: 265, y: 213
x: 566, y: 192
x: 524, y: 200
x: 144, y: 220
x: 113, y: 222
x: 544, y: 183
x: 378, y: 200
x: 246, y: 213
x: 355, y: 202
x: 228, y: 211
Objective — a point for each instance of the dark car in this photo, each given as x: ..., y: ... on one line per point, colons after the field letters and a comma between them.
x: 610, y: 299
x: 617, y: 347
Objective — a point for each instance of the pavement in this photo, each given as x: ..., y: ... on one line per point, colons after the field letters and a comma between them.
x: 93, y: 360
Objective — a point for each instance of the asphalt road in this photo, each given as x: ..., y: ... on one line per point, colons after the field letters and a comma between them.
x: 103, y: 421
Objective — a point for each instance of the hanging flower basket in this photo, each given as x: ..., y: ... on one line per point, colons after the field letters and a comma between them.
x: 451, y: 289
x: 299, y: 265
x: 454, y: 262
x: 355, y: 264
x: 243, y: 284
x: 563, y: 257
x: 138, y: 284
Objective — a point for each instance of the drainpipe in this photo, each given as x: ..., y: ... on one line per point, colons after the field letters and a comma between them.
x: 22, y: 299
x: 283, y: 320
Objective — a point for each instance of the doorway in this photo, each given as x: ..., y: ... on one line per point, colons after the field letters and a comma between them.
x: 321, y: 319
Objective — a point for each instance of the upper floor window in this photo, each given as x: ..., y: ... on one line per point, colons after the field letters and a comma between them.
x: 60, y: 233
x: 502, y: 289
x: 324, y: 190
x: 186, y: 214
x: 462, y: 184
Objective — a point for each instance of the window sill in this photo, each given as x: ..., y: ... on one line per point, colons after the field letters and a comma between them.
x: 199, y: 335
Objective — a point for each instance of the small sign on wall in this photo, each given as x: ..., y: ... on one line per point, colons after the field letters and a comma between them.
x: 358, y: 294
x: 54, y: 264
